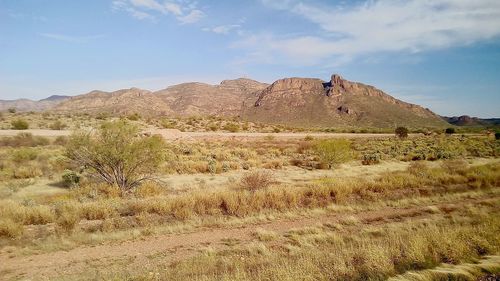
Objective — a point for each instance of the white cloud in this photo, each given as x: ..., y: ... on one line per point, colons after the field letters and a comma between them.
x: 192, y: 17
x: 222, y: 29
x: 185, y: 11
x: 381, y: 26
x: 71, y: 39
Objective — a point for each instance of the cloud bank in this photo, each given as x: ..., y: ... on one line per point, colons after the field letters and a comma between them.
x: 376, y: 26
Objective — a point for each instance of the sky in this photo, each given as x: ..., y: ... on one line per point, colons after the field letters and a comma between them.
x: 441, y: 54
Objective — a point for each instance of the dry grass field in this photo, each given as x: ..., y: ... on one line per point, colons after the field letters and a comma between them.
x: 276, y: 207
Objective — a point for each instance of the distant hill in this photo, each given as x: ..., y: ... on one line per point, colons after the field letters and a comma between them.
x: 335, y: 103
x: 465, y: 120
x: 119, y: 102
x: 31, y: 105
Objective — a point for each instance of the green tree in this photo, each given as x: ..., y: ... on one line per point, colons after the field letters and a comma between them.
x: 333, y: 152
x: 401, y: 132
x: 117, y: 154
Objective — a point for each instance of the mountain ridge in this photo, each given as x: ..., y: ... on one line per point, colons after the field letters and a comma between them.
x: 290, y: 101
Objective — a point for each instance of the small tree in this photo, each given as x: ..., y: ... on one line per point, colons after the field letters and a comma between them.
x: 449, y: 131
x: 116, y: 154
x: 20, y: 124
x: 401, y: 132
x: 333, y: 152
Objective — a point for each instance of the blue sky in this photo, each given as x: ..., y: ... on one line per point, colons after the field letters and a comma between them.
x: 442, y: 54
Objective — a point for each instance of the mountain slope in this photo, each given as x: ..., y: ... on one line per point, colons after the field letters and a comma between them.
x: 181, y: 100
x: 336, y: 103
x: 225, y: 99
x: 124, y: 101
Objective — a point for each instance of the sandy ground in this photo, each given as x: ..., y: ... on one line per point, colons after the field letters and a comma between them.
x: 173, y: 134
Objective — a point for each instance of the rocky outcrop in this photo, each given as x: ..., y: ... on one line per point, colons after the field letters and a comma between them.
x: 337, y: 102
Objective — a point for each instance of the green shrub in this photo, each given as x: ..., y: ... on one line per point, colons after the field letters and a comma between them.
x: 117, y: 154
x: 24, y: 154
x: 401, y: 132
x: 449, y: 131
x: 497, y: 135
x: 333, y: 152
x: 20, y: 124
x: 70, y: 178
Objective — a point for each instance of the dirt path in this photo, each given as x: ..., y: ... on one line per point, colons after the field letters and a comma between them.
x: 174, y: 247
x: 173, y: 134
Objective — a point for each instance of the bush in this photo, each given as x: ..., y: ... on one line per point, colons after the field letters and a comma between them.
x: 70, y: 178
x: 449, y: 131
x: 19, y: 124
x: 117, y: 154
x: 12, y: 110
x: 24, y: 139
x: 256, y: 180
x: 401, y: 132
x: 10, y: 228
x: 371, y: 159
x: 232, y: 127
x: 61, y: 140
x: 497, y: 135
x: 68, y: 216
x: 134, y: 117
x: 57, y: 125
x: 333, y: 152
x: 24, y: 155
x: 148, y: 189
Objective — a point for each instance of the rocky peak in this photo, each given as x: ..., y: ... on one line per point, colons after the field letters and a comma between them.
x: 288, y: 84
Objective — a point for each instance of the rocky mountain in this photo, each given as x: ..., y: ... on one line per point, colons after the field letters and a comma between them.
x: 183, y: 100
x: 465, y: 120
x: 290, y: 101
x: 126, y: 101
x: 200, y: 99
x: 31, y: 105
x: 338, y: 102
